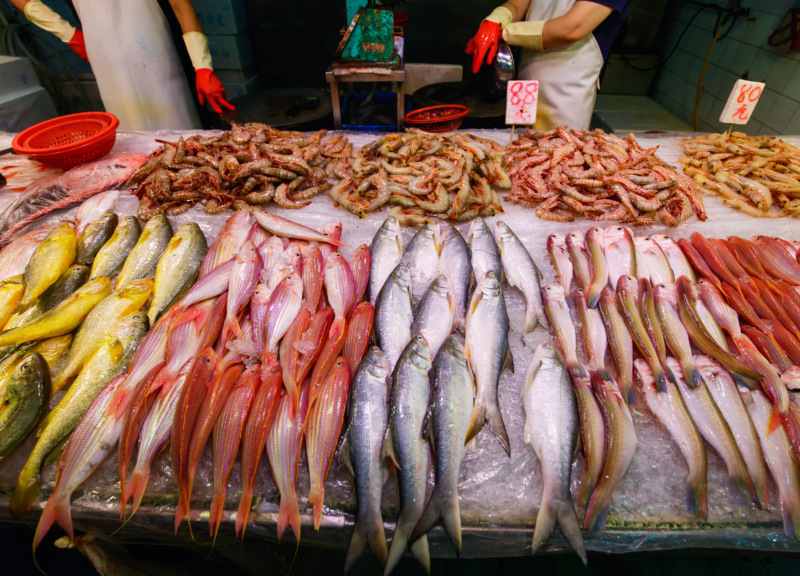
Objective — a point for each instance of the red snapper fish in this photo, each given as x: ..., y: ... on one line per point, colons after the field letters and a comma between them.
x: 75, y: 185
x: 15, y: 256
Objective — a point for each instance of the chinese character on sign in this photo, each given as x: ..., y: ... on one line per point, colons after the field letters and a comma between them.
x: 741, y: 102
x: 521, y: 99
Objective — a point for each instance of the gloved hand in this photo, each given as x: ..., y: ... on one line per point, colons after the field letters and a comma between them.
x: 46, y: 19
x: 484, y: 43
x: 208, y: 85
x: 78, y: 44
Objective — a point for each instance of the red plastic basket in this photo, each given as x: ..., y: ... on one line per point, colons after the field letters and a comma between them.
x: 443, y: 118
x: 67, y: 141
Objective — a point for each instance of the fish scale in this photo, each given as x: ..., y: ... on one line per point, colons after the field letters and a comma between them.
x: 146, y: 252
x: 386, y: 251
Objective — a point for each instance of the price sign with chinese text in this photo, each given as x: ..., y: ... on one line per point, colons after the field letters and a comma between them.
x: 521, y: 99
x: 741, y: 102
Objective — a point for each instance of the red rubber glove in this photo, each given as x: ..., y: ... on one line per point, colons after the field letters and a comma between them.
x: 209, y: 86
x: 78, y: 44
x: 484, y: 44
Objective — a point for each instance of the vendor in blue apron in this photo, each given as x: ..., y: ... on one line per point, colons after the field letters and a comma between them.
x: 564, y: 44
x: 134, y: 60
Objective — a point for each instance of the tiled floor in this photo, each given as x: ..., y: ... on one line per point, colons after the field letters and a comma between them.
x: 275, y: 561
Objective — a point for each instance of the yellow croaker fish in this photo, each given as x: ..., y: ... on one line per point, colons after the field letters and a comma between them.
x: 53, y: 256
x: 98, y: 323
x: 11, y: 291
x: 110, y: 359
x: 51, y: 350
x: 62, y: 319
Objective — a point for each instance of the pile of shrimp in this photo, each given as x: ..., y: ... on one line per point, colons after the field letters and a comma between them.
x: 566, y: 173
x: 417, y: 173
x: 750, y: 173
x: 252, y: 164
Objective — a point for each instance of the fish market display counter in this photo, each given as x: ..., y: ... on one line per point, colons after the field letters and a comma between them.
x: 499, y: 495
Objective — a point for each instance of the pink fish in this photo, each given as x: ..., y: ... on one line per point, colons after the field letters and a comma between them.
x: 359, y: 329
x: 214, y: 322
x: 290, y: 262
x: 259, y: 423
x: 312, y: 275
x: 243, y: 279
x: 183, y: 342
x: 212, y: 285
x: 311, y: 343
x: 15, y: 256
x: 89, y: 445
x: 284, y: 304
x: 258, y: 313
x: 333, y: 230
x: 289, y: 354
x: 257, y: 234
x: 359, y: 266
x: 227, y: 437
x: 339, y: 288
x: 777, y: 261
x: 192, y: 394
x: 328, y: 354
x: 217, y: 392
x: 324, y: 425
x: 230, y: 238
x: 284, y: 445
x: 289, y: 229
x: 270, y: 251
x: 154, y: 436
x: 93, y: 208
x: 75, y: 185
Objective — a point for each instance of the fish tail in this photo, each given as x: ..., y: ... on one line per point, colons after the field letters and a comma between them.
x: 595, y: 520
x: 588, y: 484
x: 577, y: 371
x: 337, y: 329
x: 243, y: 513
x: 232, y: 326
x: 498, y: 428
x: 316, y: 498
x: 56, y: 510
x: 554, y: 512
x: 215, y: 512
x: 628, y: 392
x: 661, y: 376
x: 366, y: 531
x: 531, y: 319
x: 476, y: 421
x: 398, y: 548
x: 693, y: 376
x: 26, y: 492
x: 696, y: 497
x: 421, y: 552
x: 593, y: 297
x: 289, y: 515
x: 790, y: 509
x: 137, y: 485
x: 791, y: 423
x: 740, y: 489
x: 444, y: 506
x: 182, y: 510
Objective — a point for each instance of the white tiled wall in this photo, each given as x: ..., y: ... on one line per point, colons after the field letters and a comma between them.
x: 743, y: 51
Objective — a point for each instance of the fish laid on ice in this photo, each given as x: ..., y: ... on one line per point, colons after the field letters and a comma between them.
x: 484, y: 253
x: 14, y: 257
x: 97, y: 233
x: 521, y: 271
x: 149, y: 245
x: 51, y: 258
x: 93, y: 208
x: 559, y: 258
x: 421, y: 257
x: 620, y: 252
x: 455, y: 265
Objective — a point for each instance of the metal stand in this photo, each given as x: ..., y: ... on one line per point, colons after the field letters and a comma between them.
x: 396, y: 77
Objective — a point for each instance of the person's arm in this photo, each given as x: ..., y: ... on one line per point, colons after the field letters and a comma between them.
x: 484, y: 43
x: 46, y: 19
x: 208, y: 85
x: 518, y: 9
x: 573, y: 26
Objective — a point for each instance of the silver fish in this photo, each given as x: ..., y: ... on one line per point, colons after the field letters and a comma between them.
x: 523, y: 273
x: 620, y: 253
x: 436, y: 314
x: 385, y: 253
x: 454, y: 263
x: 394, y: 315
x: 487, y: 349
x: 671, y: 411
x: 421, y: 256
x: 369, y: 417
x: 559, y: 258
x: 552, y: 429
x: 726, y: 395
x: 407, y: 447
x: 484, y: 253
x: 780, y: 458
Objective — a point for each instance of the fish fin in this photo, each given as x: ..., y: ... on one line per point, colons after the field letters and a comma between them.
x: 54, y: 511
x: 181, y: 511
x: 596, y: 521
x: 26, y: 492
x: 790, y: 509
x: 243, y: 513
x: 387, y: 451
x: 289, y: 514
x: 472, y: 445
x: 397, y: 550
x: 366, y: 533
x: 696, y: 497
x: 774, y: 421
x: 55, y: 453
x: 508, y: 361
x: 577, y: 371
x: 421, y: 552
x: 554, y: 512
x: 531, y: 319
x: 232, y: 327
x: 316, y: 498
x: 136, y: 486
x: 445, y: 507
x: 215, y: 513
x: 476, y: 422
x: 498, y: 428
x: 738, y: 489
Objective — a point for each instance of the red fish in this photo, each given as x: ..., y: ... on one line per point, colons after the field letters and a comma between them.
x: 359, y: 329
x: 289, y: 354
x: 312, y: 275
x: 257, y: 427
x: 229, y: 239
x: 192, y: 394
x: 727, y: 257
x: 323, y: 428
x: 310, y: 345
x: 749, y: 256
x: 698, y: 263
x: 327, y: 358
x: 712, y: 258
x: 359, y: 266
x: 777, y: 261
x: 785, y: 340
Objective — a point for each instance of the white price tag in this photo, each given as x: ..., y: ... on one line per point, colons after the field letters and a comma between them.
x: 741, y: 102
x: 521, y: 99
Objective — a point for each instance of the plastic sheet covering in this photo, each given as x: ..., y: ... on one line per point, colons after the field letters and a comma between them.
x: 499, y: 496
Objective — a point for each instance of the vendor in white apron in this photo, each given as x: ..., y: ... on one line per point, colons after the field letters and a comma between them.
x: 564, y: 45
x: 138, y: 73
